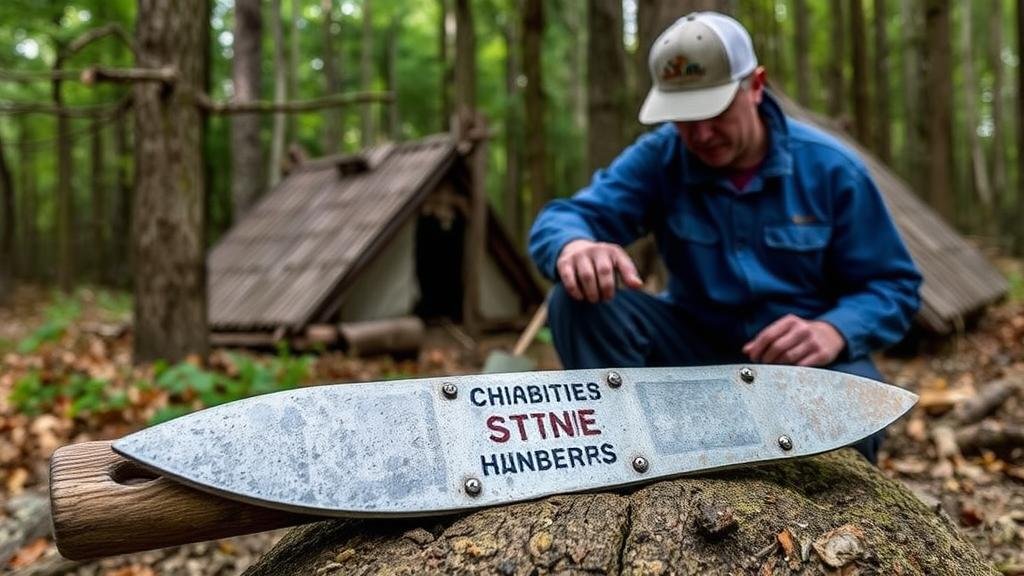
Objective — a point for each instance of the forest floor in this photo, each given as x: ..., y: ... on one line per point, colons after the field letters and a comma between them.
x: 66, y: 376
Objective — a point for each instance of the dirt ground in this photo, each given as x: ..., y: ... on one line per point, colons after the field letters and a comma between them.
x: 981, y: 490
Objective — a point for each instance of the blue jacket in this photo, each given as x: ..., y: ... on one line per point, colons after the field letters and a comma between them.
x: 809, y: 235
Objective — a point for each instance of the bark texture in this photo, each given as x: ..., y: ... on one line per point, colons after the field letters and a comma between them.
x: 167, y: 223
x: 831, y: 514
x: 606, y: 92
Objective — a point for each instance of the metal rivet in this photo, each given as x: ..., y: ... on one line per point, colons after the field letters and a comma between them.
x: 450, y: 390
x: 747, y: 375
x: 614, y: 379
x: 785, y: 442
x: 640, y: 464
x: 473, y: 487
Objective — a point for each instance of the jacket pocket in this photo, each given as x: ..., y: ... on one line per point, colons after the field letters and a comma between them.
x: 798, y: 237
x: 688, y: 228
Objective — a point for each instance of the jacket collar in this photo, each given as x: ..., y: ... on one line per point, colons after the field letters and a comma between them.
x: 778, y: 161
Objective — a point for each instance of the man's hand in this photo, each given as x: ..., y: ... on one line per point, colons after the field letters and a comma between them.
x: 793, y: 340
x: 588, y: 268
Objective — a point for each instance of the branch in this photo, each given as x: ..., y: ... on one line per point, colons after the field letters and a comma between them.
x: 93, y: 74
x: 264, y: 107
x: 39, y: 75
x: 86, y: 111
x: 95, y: 34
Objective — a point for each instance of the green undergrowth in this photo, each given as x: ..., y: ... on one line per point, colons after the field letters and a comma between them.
x: 185, y: 386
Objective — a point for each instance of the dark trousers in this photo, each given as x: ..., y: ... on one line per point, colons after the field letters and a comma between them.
x: 637, y: 329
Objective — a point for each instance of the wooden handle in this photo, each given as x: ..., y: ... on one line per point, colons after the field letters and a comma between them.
x: 538, y: 320
x: 103, y: 504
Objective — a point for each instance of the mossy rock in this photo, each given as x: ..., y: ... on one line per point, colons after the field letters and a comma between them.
x: 832, y: 514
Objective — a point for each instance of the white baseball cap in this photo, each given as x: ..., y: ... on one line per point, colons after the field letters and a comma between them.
x: 696, y: 68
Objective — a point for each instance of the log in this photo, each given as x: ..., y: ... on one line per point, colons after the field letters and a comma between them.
x: 392, y: 335
x: 832, y: 514
x: 987, y: 401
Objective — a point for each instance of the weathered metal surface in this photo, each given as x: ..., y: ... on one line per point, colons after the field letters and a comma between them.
x: 433, y: 445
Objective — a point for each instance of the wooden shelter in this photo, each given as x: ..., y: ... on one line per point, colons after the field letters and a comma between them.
x: 958, y: 280
x: 384, y: 234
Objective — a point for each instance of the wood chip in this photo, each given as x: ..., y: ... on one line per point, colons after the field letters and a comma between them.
x: 841, y: 546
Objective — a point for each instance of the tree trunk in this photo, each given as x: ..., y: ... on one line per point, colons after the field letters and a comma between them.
x: 332, y: 117
x: 883, y: 116
x: 513, y: 126
x: 277, y: 135
x: 7, y: 218
x: 366, y: 73
x: 465, y: 58
x: 837, y: 67
x: 914, y: 167
x: 100, y: 217
x: 536, y: 155
x: 606, y: 92
x: 802, y: 54
x: 29, y: 241
x: 168, y: 223
x: 247, y: 167
x: 833, y: 514
x: 938, y: 107
x: 979, y: 168
x: 394, y: 126
x: 574, y: 171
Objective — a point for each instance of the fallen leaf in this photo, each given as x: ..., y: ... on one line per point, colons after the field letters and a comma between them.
x: 971, y: 516
x: 16, y: 481
x: 131, y: 570
x: 29, y: 553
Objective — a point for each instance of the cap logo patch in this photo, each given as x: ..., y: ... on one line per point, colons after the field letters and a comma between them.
x: 678, y: 67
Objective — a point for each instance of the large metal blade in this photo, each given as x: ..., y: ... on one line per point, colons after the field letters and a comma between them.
x: 416, y: 447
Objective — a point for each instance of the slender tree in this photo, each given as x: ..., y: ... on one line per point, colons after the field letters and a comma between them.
x: 979, y: 168
x: 394, y: 127
x: 914, y: 167
x: 7, y: 218
x: 277, y: 135
x: 606, y: 92
x: 513, y: 123
x: 536, y: 154
x: 293, y: 60
x: 995, y: 58
x: 861, y: 86
x: 883, y: 114
x: 366, y: 72
x: 167, y: 235
x: 65, y: 198
x: 447, y: 70
x: 332, y: 117
x: 125, y: 199
x: 1020, y: 133
x: 802, y: 53
x: 247, y: 167
x: 837, y: 68
x: 100, y: 219
x: 465, y: 57
x: 28, y: 243
x: 938, y: 107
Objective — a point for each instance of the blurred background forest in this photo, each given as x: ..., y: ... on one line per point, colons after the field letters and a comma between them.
x: 929, y: 86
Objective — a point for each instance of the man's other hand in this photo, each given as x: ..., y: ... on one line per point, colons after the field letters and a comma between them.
x: 793, y: 340
x: 587, y: 270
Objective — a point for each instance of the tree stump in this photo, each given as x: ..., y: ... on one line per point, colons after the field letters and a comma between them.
x: 832, y: 514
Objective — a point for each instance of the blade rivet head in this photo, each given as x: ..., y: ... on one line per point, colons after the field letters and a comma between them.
x: 614, y: 379
x: 785, y: 442
x: 473, y: 487
x: 747, y: 375
x: 640, y: 464
x: 450, y: 390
